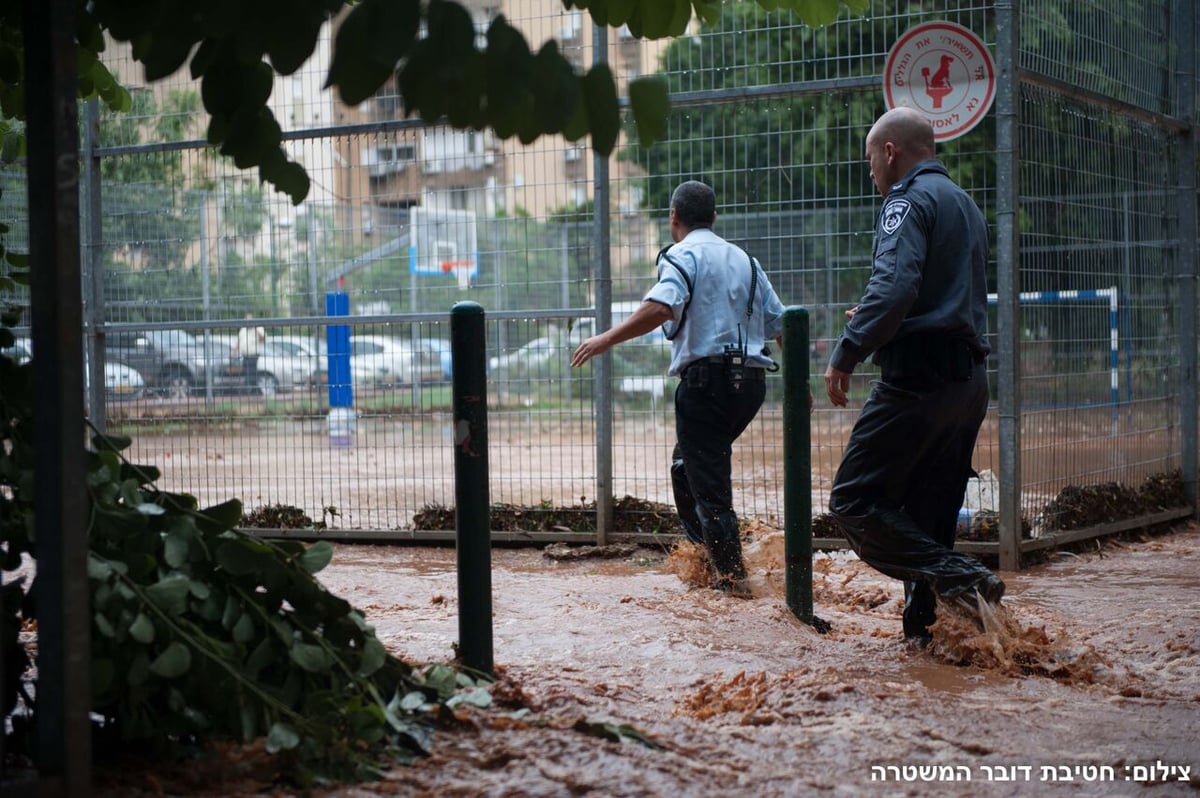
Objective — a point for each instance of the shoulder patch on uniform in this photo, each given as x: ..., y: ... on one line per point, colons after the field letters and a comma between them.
x: 894, y: 214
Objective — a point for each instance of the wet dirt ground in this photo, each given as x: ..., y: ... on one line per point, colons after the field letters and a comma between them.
x: 1086, y: 682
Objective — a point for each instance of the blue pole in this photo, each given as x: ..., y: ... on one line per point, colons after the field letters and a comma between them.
x: 342, y: 420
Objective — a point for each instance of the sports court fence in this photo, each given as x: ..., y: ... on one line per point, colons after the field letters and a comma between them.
x: 1085, y: 169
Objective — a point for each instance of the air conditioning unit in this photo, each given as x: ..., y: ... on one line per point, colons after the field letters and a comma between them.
x: 573, y: 154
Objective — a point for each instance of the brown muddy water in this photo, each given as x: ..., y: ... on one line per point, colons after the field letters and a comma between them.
x: 1086, y: 682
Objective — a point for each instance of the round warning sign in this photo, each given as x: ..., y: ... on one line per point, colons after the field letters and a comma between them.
x: 944, y: 71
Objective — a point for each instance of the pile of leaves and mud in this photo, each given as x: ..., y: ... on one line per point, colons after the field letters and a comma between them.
x: 631, y: 516
x: 1074, y: 507
x: 1078, y: 507
x: 283, y: 516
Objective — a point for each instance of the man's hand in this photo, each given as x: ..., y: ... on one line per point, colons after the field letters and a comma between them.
x: 649, y: 315
x: 837, y: 382
x: 596, y: 345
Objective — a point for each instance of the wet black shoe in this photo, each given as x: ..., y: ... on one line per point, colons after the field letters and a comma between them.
x: 738, y: 588
x: 918, y: 642
x: 991, y: 588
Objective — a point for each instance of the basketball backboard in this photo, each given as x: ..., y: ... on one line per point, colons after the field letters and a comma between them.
x: 443, y: 242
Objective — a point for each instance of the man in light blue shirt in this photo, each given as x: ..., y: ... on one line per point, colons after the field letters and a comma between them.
x: 718, y: 309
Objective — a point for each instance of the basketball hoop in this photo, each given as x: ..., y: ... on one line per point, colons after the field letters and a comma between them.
x: 461, y: 269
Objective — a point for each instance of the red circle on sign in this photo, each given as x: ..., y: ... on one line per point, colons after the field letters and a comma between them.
x: 944, y: 71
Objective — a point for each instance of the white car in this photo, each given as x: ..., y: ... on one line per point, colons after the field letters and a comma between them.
x: 306, y: 354
x: 285, y: 366
x: 527, y: 358
x: 385, y: 361
x: 120, y: 381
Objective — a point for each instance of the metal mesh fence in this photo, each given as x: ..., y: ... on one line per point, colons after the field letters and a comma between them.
x: 1099, y: 346
x: 772, y: 113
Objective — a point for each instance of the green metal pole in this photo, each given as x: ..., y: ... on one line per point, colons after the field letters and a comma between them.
x: 797, y: 469
x: 473, y: 532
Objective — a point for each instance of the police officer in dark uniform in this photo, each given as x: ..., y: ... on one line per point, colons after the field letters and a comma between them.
x: 923, y: 317
x: 718, y: 309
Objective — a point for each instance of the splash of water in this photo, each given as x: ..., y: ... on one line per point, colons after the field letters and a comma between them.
x: 991, y: 637
x: 689, y: 561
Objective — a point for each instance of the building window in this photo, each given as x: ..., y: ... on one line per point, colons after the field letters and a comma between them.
x: 572, y: 28
x: 458, y: 198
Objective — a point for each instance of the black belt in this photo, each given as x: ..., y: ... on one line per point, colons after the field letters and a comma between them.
x: 922, y: 355
x: 748, y: 372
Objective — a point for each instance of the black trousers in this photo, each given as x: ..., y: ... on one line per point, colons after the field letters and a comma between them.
x: 709, y: 416
x: 901, y: 483
x: 250, y: 370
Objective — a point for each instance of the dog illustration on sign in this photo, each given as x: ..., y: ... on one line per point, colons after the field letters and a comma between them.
x: 938, y: 86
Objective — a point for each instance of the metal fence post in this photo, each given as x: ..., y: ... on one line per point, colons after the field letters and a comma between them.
x: 601, y: 187
x: 1186, y: 266
x: 797, y: 469
x: 62, y: 593
x: 472, y: 505
x: 1008, y: 285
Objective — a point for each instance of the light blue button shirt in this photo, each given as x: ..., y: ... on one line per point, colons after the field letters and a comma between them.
x: 716, y: 303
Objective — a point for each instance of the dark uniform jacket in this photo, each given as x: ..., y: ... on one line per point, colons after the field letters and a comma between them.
x: 928, y: 279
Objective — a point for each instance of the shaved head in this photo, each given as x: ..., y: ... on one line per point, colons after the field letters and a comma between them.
x: 907, y: 129
x: 898, y: 141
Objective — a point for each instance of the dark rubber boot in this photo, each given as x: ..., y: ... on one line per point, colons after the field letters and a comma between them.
x: 919, y: 604
x: 724, y: 545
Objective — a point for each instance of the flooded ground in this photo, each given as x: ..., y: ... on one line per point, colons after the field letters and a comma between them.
x: 1087, y: 682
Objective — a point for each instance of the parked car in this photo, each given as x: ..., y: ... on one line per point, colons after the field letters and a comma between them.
x: 436, y: 350
x: 283, y: 367
x: 120, y: 381
x: 381, y: 360
x: 308, y: 357
x: 170, y: 361
x: 19, y: 352
x: 527, y: 358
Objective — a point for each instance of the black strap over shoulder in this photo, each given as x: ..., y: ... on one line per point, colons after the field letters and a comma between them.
x: 662, y: 254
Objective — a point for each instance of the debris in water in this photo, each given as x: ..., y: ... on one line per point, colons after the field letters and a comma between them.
x: 992, y: 638
x: 565, y: 551
x: 689, y: 561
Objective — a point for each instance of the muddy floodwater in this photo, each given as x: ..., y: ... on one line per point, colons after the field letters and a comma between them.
x: 1086, y: 682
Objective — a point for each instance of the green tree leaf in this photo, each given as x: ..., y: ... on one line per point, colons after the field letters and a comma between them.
x: 373, y: 658
x: 238, y: 557
x: 142, y: 629
x: 602, y: 108
x: 175, y: 549
x: 370, y: 44
x: 311, y: 658
x: 281, y: 737
x: 316, y: 557
x: 244, y: 630
x: 220, y: 517
x: 172, y: 663
x: 170, y: 593
x: 103, y: 626
x: 649, y: 101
